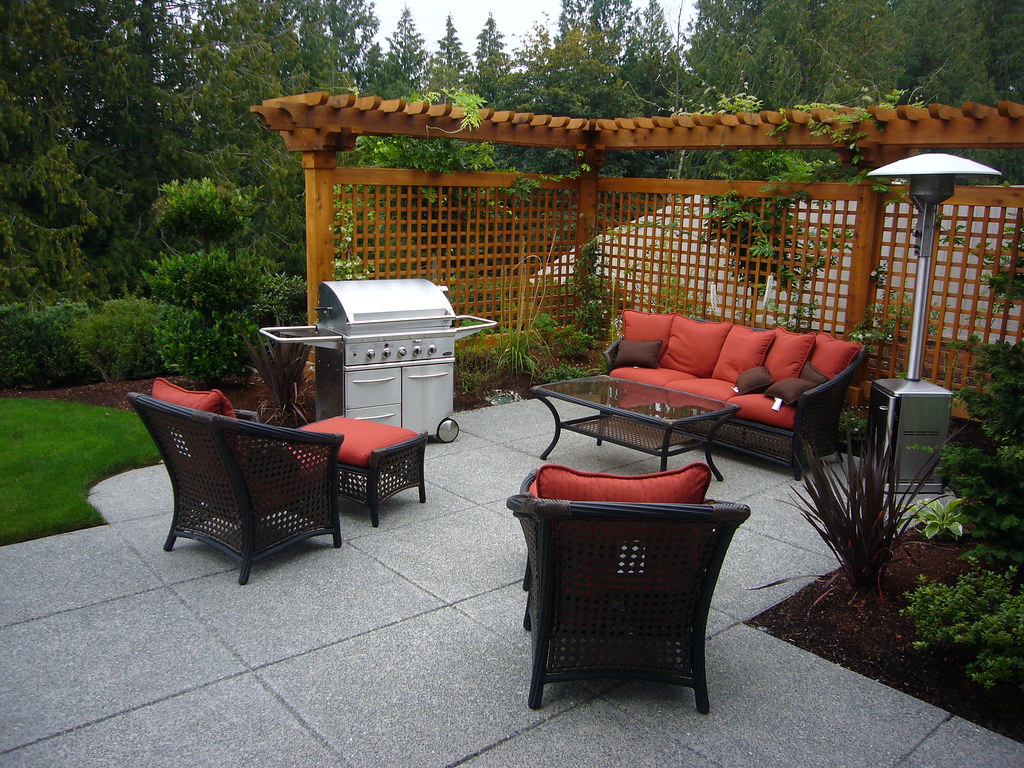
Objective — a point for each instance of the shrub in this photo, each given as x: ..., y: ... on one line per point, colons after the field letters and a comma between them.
x: 119, y: 339
x: 201, y: 209
x: 982, y: 612
x: 207, y: 309
x: 205, y: 350
x: 281, y: 300
x: 36, y: 350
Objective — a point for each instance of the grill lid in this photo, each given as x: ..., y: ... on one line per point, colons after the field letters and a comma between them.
x: 358, y: 307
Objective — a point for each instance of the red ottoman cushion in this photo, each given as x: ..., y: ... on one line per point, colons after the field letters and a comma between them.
x: 362, y: 437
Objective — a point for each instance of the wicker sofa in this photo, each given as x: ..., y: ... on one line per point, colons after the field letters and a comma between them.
x: 788, y: 385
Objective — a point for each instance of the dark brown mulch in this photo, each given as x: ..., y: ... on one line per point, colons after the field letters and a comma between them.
x: 865, y: 635
x: 871, y: 637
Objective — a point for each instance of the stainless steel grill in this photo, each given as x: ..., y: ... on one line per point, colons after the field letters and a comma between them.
x: 386, y: 352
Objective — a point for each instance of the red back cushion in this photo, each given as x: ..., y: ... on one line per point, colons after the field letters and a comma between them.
x: 788, y: 353
x: 831, y: 355
x: 213, y: 400
x: 694, y: 347
x: 744, y: 349
x: 644, y: 326
x: 362, y: 437
x: 687, y: 485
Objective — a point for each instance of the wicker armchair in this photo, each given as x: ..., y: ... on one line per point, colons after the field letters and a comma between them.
x: 621, y: 590
x: 246, y: 488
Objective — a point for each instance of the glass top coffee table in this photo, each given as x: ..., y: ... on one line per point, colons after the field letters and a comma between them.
x: 647, y: 418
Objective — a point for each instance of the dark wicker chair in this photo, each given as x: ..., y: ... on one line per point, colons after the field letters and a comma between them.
x: 246, y: 488
x: 622, y: 590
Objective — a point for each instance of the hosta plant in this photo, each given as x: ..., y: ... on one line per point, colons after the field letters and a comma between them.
x: 939, y: 517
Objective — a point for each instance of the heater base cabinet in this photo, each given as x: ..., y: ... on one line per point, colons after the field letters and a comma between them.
x: 913, y: 416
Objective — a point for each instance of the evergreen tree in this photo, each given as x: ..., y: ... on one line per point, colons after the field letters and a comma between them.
x: 403, y: 69
x: 336, y: 40
x: 491, y: 64
x: 450, y: 67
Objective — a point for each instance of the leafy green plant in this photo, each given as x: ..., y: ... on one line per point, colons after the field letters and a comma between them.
x: 280, y: 300
x: 207, y: 301
x: 592, y: 307
x: 983, y: 611
x: 204, y: 210
x: 853, y: 426
x: 939, y: 517
x: 855, y: 504
x: 36, y: 350
x: 119, y: 339
x: 282, y: 368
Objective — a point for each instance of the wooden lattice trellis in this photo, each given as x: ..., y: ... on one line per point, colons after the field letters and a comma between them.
x: 836, y: 258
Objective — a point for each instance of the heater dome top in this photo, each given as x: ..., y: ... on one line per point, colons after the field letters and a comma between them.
x: 933, y: 164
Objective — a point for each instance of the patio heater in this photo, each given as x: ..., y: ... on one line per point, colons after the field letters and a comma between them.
x: 910, y: 414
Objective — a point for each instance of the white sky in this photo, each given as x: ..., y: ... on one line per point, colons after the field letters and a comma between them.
x: 515, y: 18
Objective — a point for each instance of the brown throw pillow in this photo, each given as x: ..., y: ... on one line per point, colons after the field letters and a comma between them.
x: 812, y: 374
x: 789, y: 390
x: 642, y: 354
x: 754, y: 380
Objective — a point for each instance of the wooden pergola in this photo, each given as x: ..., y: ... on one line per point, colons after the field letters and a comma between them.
x: 319, y: 125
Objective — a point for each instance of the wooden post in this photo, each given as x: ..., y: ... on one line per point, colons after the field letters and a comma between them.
x: 865, y: 256
x: 319, y: 166
x: 590, y: 163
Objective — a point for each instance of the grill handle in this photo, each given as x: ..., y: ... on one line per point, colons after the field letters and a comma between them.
x: 469, y: 330
x: 331, y: 342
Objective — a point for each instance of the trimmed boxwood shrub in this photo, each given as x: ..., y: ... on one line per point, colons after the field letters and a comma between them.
x: 119, y: 339
x: 36, y: 349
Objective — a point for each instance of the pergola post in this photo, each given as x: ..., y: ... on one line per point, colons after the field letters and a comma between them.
x: 590, y: 162
x: 319, y: 166
x: 865, y: 256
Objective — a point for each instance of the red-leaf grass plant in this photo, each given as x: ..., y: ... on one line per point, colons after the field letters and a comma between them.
x: 282, y: 367
x: 856, y: 505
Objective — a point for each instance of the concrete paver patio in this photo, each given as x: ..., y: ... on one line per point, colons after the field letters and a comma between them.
x: 406, y: 648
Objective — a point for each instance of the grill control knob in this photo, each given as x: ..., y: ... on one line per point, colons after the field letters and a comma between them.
x: 385, y: 353
x: 417, y: 350
x: 370, y: 354
x: 402, y: 352
x: 431, y: 349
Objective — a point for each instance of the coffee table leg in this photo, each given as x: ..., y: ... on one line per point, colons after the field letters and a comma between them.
x: 558, y: 426
x: 709, y: 441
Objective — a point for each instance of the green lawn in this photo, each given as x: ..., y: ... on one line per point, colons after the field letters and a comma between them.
x: 51, y: 453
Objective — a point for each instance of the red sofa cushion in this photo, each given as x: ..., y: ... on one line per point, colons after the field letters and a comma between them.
x: 694, y: 347
x: 744, y: 349
x: 659, y: 377
x: 759, y: 408
x: 831, y: 355
x: 645, y: 326
x: 362, y: 437
x: 716, y: 389
x: 788, y: 353
x: 686, y: 485
x: 212, y: 400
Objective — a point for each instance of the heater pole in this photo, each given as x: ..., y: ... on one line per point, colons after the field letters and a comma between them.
x: 925, y: 246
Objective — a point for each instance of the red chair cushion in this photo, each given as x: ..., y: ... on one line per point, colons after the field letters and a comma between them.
x: 831, y: 355
x: 744, y: 349
x: 694, y: 346
x: 362, y: 437
x: 759, y: 408
x: 213, y: 400
x: 788, y: 353
x: 687, y: 485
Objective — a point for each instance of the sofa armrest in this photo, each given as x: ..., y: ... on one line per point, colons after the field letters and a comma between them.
x: 818, y: 410
x: 610, y: 354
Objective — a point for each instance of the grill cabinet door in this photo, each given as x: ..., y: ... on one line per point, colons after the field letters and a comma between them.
x: 427, y: 398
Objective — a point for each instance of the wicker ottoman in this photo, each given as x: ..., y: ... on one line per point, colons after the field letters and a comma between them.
x: 375, y: 461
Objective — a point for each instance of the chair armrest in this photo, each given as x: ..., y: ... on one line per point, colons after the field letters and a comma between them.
x: 247, y: 415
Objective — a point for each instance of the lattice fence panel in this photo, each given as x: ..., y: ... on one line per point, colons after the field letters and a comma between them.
x: 475, y: 239
x: 745, y: 257
x: 980, y: 236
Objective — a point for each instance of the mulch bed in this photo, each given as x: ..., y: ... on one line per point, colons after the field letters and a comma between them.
x: 863, y: 634
x: 871, y: 637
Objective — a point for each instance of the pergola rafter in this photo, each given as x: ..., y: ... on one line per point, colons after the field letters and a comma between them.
x: 318, y: 121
